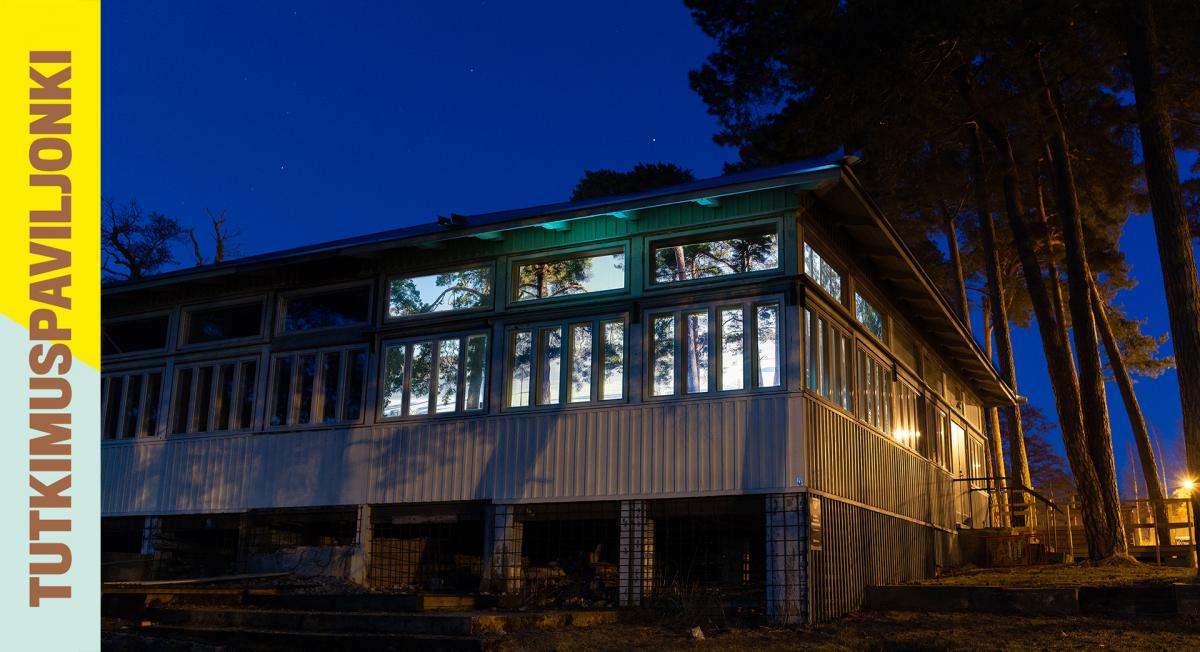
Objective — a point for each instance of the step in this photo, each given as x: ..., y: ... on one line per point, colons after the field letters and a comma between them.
x: 316, y: 621
x: 442, y: 624
x: 249, y: 638
x: 127, y: 602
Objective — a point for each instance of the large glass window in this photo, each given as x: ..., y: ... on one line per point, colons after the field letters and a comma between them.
x: 223, y: 323
x: 907, y: 428
x: 462, y: 289
x: 318, y: 387
x: 875, y: 390
x: 133, y: 335
x: 567, y: 276
x: 574, y: 362
x: 868, y: 316
x: 937, y: 445
x: 130, y: 406
x: 828, y: 357
x: 440, y: 375
x: 708, y: 257
x: 715, y: 348
x: 327, y: 309
x: 214, y: 397
x: 822, y: 273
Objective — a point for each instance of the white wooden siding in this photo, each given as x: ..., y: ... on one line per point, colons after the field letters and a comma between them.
x: 742, y: 444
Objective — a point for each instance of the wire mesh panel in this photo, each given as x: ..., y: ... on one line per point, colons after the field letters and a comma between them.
x: 569, y: 553
x: 427, y: 547
x: 192, y: 546
x: 710, y: 550
x: 305, y: 542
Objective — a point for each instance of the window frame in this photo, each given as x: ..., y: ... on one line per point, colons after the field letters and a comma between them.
x: 836, y: 322
x: 185, y: 323
x: 597, y: 365
x: 655, y: 242
x: 859, y: 291
x: 144, y: 400
x: 169, y: 313
x: 750, y: 357
x: 819, y: 248
x: 588, y: 251
x: 318, y: 404
x: 281, y: 307
x: 435, y: 340
x: 238, y: 362
x: 386, y: 302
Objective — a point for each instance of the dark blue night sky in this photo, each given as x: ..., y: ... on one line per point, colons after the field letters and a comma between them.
x: 309, y: 121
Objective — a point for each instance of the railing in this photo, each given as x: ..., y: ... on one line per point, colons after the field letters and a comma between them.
x: 1058, y: 524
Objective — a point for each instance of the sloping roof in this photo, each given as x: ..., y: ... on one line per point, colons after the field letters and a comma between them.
x: 791, y: 174
x: 834, y: 184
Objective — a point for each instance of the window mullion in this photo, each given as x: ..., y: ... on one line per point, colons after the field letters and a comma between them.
x: 750, y: 350
x: 460, y: 396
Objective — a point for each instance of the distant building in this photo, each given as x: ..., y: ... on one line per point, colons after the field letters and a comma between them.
x: 743, y: 385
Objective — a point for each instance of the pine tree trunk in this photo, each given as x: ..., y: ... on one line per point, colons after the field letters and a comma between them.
x: 999, y: 318
x: 1170, y: 225
x: 1141, y: 435
x: 1053, y: 333
x: 996, y: 445
x: 960, y: 284
x: 1083, y: 323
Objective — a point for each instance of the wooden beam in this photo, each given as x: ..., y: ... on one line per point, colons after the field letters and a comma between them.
x: 629, y: 216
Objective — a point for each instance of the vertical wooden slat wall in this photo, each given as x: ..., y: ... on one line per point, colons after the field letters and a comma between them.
x: 886, y: 513
x: 732, y: 445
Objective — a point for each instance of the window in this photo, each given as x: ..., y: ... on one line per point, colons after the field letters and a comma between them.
x: 692, y: 259
x: 442, y: 375
x: 868, y: 316
x: 579, y: 361
x: 463, y: 289
x: 131, y: 404
x: 828, y: 354
x: 822, y: 273
x: 133, y: 335
x: 907, y: 428
x: 715, y: 348
x: 567, y: 276
x: 331, y: 309
x: 224, y: 323
x: 214, y: 397
x: 875, y: 390
x: 318, y: 387
x: 977, y: 463
x: 938, y: 444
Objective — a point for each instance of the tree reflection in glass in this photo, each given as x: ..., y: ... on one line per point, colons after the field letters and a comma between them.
x: 457, y: 290
x: 721, y: 257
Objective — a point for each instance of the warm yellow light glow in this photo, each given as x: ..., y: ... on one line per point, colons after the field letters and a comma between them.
x: 1189, y: 484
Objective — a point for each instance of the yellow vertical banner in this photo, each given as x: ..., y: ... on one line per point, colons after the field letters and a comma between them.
x: 50, y: 323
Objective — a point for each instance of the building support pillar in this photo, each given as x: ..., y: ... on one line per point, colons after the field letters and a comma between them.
x: 360, y: 561
x: 787, y: 558
x: 151, y: 532
x: 503, y: 571
x: 636, y: 568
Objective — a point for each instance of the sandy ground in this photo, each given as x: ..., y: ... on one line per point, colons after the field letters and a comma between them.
x: 886, y: 631
x: 1066, y: 575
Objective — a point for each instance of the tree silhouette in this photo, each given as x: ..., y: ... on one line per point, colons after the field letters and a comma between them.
x: 643, y: 176
x: 135, y: 244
